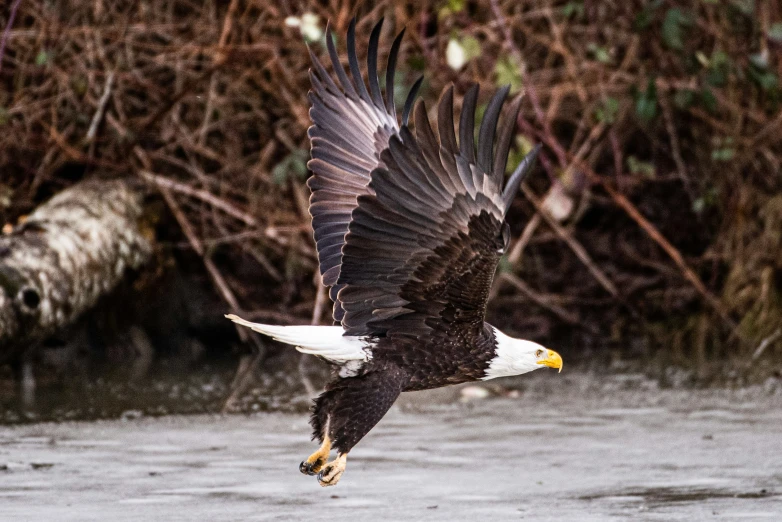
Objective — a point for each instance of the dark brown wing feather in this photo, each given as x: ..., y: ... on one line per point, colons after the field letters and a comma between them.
x: 424, y: 242
x: 351, y: 127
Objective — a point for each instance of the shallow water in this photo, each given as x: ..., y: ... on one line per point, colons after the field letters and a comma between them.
x: 201, y: 389
x: 553, y: 453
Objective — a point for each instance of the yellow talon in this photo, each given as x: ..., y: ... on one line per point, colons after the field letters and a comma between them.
x: 317, y: 460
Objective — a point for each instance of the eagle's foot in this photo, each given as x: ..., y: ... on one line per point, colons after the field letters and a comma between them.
x: 332, y: 472
x: 312, y: 467
x: 316, y: 461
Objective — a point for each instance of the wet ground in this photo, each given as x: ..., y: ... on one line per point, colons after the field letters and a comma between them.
x: 202, y: 389
x: 564, y: 448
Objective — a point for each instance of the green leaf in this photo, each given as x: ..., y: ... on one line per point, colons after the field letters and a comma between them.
x: 6, y: 196
x: 508, y: 72
x: 745, y: 7
x: 600, y: 53
x: 709, y: 199
x: 505, y: 266
x: 646, y: 16
x: 720, y: 60
x: 280, y: 173
x: 607, y: 111
x: 644, y: 168
x: 571, y: 9
x: 759, y: 72
x: 416, y: 63
x: 673, y: 27
x: 517, y: 153
x: 646, y: 102
x: 402, y: 84
x: 725, y: 154
x: 719, y: 66
x: 42, y: 58
x: 472, y: 47
x: 759, y: 60
x: 293, y: 166
x: 775, y: 32
x: 79, y: 85
x: 708, y: 99
x: 480, y: 110
x: 451, y: 7
x: 723, y: 149
x: 766, y: 80
x: 684, y: 98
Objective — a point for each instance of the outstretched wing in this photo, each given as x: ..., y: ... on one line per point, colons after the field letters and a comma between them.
x: 351, y: 127
x: 424, y: 242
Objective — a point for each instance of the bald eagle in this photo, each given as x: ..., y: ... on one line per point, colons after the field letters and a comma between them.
x: 409, y: 232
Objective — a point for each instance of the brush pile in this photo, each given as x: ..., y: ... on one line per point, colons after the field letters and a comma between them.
x: 651, y: 228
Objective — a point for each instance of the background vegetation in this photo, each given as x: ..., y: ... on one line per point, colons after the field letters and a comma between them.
x: 651, y: 228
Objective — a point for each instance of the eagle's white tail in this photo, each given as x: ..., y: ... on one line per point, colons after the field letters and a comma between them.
x: 324, y: 341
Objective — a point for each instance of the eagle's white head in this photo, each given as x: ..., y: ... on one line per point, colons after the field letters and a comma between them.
x: 517, y: 356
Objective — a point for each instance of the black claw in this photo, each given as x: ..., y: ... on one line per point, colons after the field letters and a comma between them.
x: 306, y: 468
x: 322, y: 476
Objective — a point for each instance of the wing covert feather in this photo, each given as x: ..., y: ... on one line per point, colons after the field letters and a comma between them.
x: 422, y: 247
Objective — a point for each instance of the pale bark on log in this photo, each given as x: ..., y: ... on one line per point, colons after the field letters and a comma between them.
x: 68, y: 253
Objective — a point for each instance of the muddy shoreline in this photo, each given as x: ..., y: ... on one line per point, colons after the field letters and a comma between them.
x: 573, y: 449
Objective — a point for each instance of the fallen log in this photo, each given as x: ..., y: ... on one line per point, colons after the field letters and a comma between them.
x: 58, y: 262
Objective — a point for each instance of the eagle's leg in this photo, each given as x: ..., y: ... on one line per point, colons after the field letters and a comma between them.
x: 315, y: 462
x: 349, y: 408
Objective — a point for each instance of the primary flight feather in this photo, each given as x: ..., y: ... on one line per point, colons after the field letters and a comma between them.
x: 409, y: 230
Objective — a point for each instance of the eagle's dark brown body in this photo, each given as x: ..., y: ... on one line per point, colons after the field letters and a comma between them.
x: 355, y: 404
x: 429, y: 367
x: 427, y: 354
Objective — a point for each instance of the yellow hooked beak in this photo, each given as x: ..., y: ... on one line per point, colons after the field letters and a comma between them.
x: 552, y: 360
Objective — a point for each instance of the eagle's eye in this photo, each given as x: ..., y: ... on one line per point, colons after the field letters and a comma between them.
x: 539, y: 353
